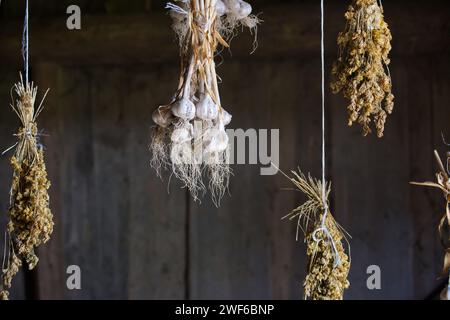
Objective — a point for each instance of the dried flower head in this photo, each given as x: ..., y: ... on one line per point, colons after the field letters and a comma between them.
x: 190, y: 137
x: 30, y: 219
x: 361, y: 71
x: 443, y: 183
x: 328, y: 263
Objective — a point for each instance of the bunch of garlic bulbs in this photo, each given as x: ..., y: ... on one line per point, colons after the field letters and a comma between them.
x: 190, y: 136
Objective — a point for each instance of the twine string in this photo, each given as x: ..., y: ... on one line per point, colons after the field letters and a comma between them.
x: 323, y: 228
x: 25, y: 43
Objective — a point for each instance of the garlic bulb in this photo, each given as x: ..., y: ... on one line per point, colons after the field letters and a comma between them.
x: 162, y: 117
x: 207, y: 109
x: 239, y: 8
x: 183, y: 109
x: 232, y: 5
x: 221, y: 9
x: 219, y: 141
x: 182, y: 134
x: 225, y: 117
x: 244, y: 11
x: 181, y: 154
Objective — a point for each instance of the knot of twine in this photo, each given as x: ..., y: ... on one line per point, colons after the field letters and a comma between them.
x: 27, y: 132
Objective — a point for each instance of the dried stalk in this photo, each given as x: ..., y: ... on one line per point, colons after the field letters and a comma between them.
x: 328, y: 264
x: 443, y: 183
x: 30, y: 219
x: 361, y: 72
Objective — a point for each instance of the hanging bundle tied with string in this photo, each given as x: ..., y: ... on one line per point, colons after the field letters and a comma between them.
x: 328, y: 263
x: 30, y: 219
x: 361, y: 71
x: 190, y: 135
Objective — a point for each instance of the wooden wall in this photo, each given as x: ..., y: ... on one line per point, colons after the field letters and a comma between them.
x: 132, y: 239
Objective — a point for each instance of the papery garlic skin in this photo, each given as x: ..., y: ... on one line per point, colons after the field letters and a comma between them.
x: 207, y: 109
x: 162, y: 117
x: 182, y: 134
x: 219, y: 142
x: 238, y: 8
x: 216, y: 139
x: 221, y: 8
x: 225, y: 117
x: 183, y: 109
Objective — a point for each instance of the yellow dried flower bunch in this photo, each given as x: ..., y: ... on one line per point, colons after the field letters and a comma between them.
x: 443, y: 183
x: 328, y: 264
x: 361, y: 72
x: 30, y: 218
x: 326, y: 280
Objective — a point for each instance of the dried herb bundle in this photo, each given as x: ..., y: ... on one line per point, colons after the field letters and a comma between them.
x: 328, y: 264
x: 190, y: 136
x: 443, y: 183
x: 30, y: 219
x: 361, y: 72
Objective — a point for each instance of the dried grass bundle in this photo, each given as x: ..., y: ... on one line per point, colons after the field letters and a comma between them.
x: 361, y: 72
x: 30, y: 218
x: 328, y: 264
x: 443, y: 183
x: 190, y: 136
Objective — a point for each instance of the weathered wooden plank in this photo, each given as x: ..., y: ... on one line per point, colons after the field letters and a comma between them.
x: 74, y: 183
x: 422, y: 168
x: 107, y: 249
x: 288, y: 31
x: 51, y: 282
x: 441, y: 126
x: 228, y: 246
x: 156, y: 233
x: 244, y: 250
x: 371, y: 196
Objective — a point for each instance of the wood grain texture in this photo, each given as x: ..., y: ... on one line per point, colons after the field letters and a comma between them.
x: 288, y: 31
x: 132, y: 239
x: 157, y: 218
x: 371, y: 196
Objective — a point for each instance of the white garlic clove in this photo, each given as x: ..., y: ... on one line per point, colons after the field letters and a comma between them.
x: 226, y: 117
x: 221, y: 9
x: 207, y: 109
x: 162, y: 117
x: 232, y: 5
x: 182, y: 134
x: 181, y: 153
x: 183, y: 109
x: 245, y: 9
x: 218, y: 143
x: 238, y: 8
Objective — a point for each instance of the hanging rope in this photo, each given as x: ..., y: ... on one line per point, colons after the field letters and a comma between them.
x: 322, y: 56
x: 323, y: 228
x: 25, y: 43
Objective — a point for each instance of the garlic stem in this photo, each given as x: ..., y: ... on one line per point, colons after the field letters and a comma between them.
x: 214, y: 81
x: 188, y: 78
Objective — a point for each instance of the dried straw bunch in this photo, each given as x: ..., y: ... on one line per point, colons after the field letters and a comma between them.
x: 190, y: 135
x: 30, y: 219
x: 443, y: 183
x: 361, y: 71
x: 328, y: 264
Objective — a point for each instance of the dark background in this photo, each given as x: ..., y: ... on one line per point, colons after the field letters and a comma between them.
x: 132, y: 239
